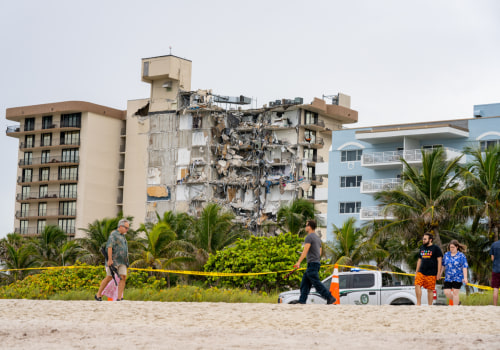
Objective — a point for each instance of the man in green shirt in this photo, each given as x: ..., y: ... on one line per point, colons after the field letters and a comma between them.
x: 117, y: 250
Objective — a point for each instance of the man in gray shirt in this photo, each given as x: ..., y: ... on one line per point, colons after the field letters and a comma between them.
x: 312, y: 251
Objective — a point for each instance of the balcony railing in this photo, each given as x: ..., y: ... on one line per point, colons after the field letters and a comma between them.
x: 54, y: 143
x: 13, y: 128
x: 376, y: 185
x: 37, y: 178
x: 49, y: 160
x: 45, y: 213
x: 33, y: 230
x: 394, y: 157
x: 374, y: 213
x: 48, y: 195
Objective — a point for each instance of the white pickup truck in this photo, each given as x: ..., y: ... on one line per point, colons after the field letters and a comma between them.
x: 363, y: 287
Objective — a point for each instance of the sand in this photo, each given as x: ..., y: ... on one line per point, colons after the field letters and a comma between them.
x: 30, y: 324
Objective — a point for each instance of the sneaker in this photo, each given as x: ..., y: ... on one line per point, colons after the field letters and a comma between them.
x: 97, y: 298
x: 331, y: 301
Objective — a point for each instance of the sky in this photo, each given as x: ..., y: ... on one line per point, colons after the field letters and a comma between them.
x: 400, y: 61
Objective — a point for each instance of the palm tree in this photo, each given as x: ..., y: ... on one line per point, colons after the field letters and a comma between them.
x: 21, y: 257
x: 214, y: 229
x: 424, y: 200
x: 52, y: 247
x: 180, y: 223
x: 482, y: 191
x: 352, y: 246
x: 292, y: 218
x: 160, y: 249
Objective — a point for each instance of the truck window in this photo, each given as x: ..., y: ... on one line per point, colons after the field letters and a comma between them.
x: 363, y: 280
x: 342, y: 282
x: 394, y: 280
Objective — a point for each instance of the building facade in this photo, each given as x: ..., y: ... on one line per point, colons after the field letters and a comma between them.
x: 176, y: 150
x: 69, y: 164
x: 364, y: 161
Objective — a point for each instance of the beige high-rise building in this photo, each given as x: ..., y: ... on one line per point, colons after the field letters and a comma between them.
x: 176, y: 150
x: 69, y: 164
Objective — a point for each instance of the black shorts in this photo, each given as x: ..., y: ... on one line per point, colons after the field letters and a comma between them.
x: 452, y: 285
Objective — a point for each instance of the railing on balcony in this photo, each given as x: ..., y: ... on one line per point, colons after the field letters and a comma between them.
x: 49, y: 160
x: 13, y: 128
x: 36, y: 178
x: 48, y: 195
x: 45, y: 213
x: 376, y: 185
x: 394, y: 157
x: 318, y: 122
x: 374, y: 213
x: 53, y: 143
x: 33, y: 230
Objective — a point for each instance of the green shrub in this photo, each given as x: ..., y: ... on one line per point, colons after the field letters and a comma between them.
x: 257, y: 254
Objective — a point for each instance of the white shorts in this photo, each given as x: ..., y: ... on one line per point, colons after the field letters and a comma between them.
x: 122, y: 270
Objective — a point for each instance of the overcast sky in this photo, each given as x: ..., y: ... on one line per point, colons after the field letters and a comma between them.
x: 400, y: 61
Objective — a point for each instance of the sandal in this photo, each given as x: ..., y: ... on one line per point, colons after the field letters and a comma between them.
x: 97, y: 298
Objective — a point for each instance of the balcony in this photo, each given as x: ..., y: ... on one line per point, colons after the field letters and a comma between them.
x: 377, y: 185
x: 33, y: 230
x: 48, y: 179
x: 311, y: 161
x: 318, y: 125
x: 58, y: 160
x: 374, y: 213
x: 49, y: 196
x: 40, y: 128
x: 392, y: 159
x: 314, y: 143
x: 47, y: 213
x: 53, y: 145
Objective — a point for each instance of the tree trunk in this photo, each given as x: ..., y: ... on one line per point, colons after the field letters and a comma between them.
x: 437, y: 237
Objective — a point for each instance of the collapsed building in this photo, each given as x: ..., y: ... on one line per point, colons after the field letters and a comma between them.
x: 186, y: 148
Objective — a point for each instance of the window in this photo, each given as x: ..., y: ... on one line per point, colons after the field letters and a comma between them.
x: 47, y: 122
x: 25, y: 192
x: 488, y: 143
x: 44, y: 174
x: 29, y: 141
x: 349, y: 207
x: 310, y: 118
x: 431, y: 146
x: 23, y: 226
x: 70, y: 155
x: 71, y: 120
x: 67, y: 191
x: 29, y: 124
x: 308, y: 173
x: 46, y: 139
x: 196, y: 122
x: 28, y: 158
x: 310, y: 136
x: 25, y: 208
x: 309, y: 194
x: 67, y: 208
x: 67, y: 225
x: 45, y: 157
x: 40, y: 226
x: 27, y: 175
x: 70, y: 138
x: 43, y: 191
x: 310, y: 154
x: 351, y: 156
x: 42, y: 209
x: 350, y: 181
x: 363, y: 280
x: 68, y: 173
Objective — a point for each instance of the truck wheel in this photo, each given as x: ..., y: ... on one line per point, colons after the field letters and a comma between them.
x: 294, y: 302
x: 402, y: 301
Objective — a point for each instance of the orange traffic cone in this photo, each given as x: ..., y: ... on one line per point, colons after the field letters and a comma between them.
x: 334, y: 286
x: 450, y: 302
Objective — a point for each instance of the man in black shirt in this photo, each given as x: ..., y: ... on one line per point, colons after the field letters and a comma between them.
x: 428, y: 267
x: 312, y: 250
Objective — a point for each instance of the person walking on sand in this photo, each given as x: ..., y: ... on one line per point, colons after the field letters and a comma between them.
x: 117, y: 250
x: 428, y: 268
x: 495, y: 275
x: 312, y: 251
x: 455, y: 265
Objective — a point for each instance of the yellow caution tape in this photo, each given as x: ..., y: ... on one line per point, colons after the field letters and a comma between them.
x: 225, y: 274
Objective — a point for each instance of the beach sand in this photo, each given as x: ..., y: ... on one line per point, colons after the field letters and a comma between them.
x: 34, y: 324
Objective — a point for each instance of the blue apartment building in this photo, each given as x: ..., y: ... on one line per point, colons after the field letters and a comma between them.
x: 363, y: 161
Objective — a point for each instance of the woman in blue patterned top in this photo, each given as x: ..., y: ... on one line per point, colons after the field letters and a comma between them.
x: 455, y: 264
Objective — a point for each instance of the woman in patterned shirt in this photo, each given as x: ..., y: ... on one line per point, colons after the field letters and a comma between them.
x: 455, y: 264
